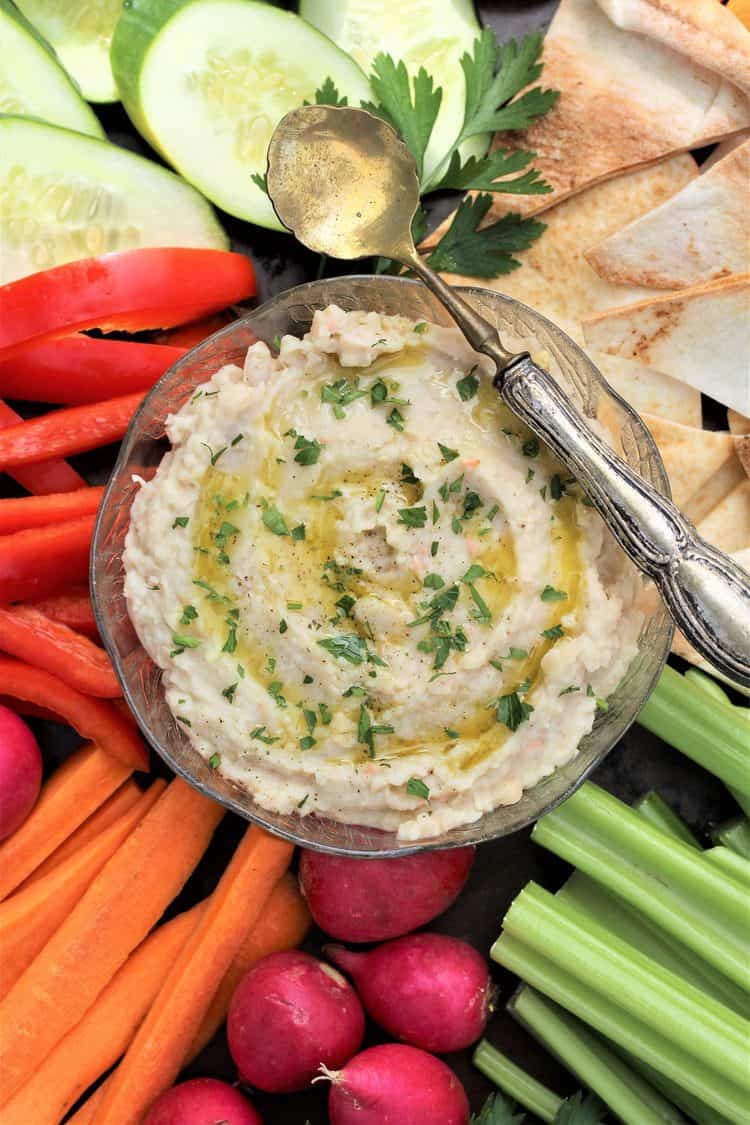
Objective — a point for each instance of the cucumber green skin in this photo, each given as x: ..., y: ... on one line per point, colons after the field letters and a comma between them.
x: 87, y: 120
x: 39, y: 149
x: 139, y: 28
x: 94, y: 84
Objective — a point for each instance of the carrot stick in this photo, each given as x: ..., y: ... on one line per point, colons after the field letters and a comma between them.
x: 74, y: 791
x: 72, y: 608
x: 29, y: 918
x: 95, y: 719
x: 45, y: 476
x: 43, y: 560
x: 121, y: 801
x: 119, y: 908
x: 98, y: 1040
x: 21, y: 512
x: 77, y: 661
x: 155, y: 1056
x: 282, y: 925
x: 62, y: 432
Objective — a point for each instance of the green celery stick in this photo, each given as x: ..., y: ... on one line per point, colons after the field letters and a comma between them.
x: 694, y: 1107
x: 515, y: 1082
x: 733, y: 865
x: 656, y: 810
x: 735, y: 834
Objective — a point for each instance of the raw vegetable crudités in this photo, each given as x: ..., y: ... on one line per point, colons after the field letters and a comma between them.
x: 46, y: 476
x: 201, y: 1100
x: 80, y: 34
x: 20, y: 771
x: 38, y: 561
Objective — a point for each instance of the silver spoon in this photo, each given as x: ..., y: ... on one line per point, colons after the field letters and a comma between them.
x: 345, y: 184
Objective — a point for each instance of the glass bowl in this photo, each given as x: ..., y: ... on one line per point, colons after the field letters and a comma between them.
x: 145, y: 444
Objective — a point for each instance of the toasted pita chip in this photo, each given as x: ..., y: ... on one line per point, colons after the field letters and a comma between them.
x: 698, y: 235
x: 650, y: 392
x: 728, y: 525
x: 699, y: 335
x: 703, y: 30
x: 727, y: 146
x: 625, y: 101
x: 702, y: 465
x: 738, y: 423
x: 742, y: 448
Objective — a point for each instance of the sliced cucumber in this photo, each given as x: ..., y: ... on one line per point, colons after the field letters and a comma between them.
x: 32, y: 81
x: 65, y: 196
x: 80, y: 31
x: 207, y: 81
x: 422, y: 33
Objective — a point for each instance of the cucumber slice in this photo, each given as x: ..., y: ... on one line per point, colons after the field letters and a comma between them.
x: 65, y: 196
x: 422, y: 33
x: 32, y: 82
x: 80, y: 31
x: 207, y: 81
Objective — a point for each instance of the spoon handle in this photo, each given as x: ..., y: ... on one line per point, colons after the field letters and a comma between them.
x: 705, y: 591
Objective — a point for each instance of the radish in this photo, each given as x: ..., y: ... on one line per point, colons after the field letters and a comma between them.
x: 289, y: 1014
x: 396, y: 1085
x: 375, y: 899
x: 20, y: 771
x: 202, y: 1101
x: 430, y: 990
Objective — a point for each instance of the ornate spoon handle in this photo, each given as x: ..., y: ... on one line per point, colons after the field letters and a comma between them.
x: 707, y: 594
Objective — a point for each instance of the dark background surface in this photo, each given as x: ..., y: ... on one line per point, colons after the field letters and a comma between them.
x: 638, y: 763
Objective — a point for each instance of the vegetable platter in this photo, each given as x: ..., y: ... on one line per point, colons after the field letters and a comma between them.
x: 222, y: 892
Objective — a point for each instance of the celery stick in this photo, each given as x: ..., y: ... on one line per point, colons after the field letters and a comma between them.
x: 704, y: 729
x: 601, y: 906
x: 515, y: 1082
x: 742, y: 799
x: 691, y: 1105
x: 580, y: 1050
x: 667, y: 881
x: 657, y: 812
x: 733, y: 865
x: 700, y: 680
x: 660, y: 998
x: 735, y: 834
x: 619, y: 1025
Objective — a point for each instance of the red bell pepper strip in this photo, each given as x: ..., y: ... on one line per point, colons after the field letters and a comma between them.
x: 188, y: 335
x: 94, y: 719
x: 137, y: 289
x: 72, y: 608
x: 78, y: 369
x: 28, y: 635
x: 44, y: 560
x: 21, y: 512
x: 72, y: 430
x: 46, y: 476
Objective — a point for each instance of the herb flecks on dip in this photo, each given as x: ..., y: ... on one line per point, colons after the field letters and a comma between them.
x: 373, y: 593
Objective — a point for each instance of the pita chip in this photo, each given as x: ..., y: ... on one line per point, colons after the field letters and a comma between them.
x: 698, y: 235
x: 625, y: 101
x: 741, y: 9
x: 702, y: 465
x: 703, y: 30
x: 728, y: 525
x: 650, y: 392
x: 738, y: 423
x: 727, y: 146
x: 699, y: 335
x: 742, y: 449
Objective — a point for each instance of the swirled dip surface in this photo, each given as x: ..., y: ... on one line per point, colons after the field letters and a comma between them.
x: 373, y: 594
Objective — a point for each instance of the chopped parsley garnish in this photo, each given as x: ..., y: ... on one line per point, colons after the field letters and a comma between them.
x: 413, y: 517
x: 345, y: 604
x: 184, y: 720
x: 396, y: 419
x: 273, y: 519
x: 307, y: 679
x: 262, y: 736
x: 301, y: 804
x: 274, y: 690
x: 482, y: 612
x: 298, y: 532
x: 415, y: 787
x: 407, y: 475
x: 451, y: 732
x: 475, y: 571
x: 421, y: 327
x: 214, y: 456
x: 530, y: 448
x: 446, y: 489
x: 355, y: 689
x: 512, y: 711
x: 444, y: 602
x: 293, y: 605
x: 236, y: 440
x: 185, y: 642
x: 550, y: 594
x: 311, y: 719
x: 435, y: 517
x: 308, y: 451
x: 212, y: 594
x: 226, y: 531
x: 214, y: 761
x: 181, y: 521
x: 433, y: 581
x: 456, y: 526
x: 529, y: 475
x: 543, y: 492
x: 228, y: 692
x: 189, y: 613
x: 434, y: 546
x: 556, y: 487
x: 379, y: 499
x: 350, y: 647
x: 467, y: 387
x: 442, y: 641
x: 283, y: 625
x: 333, y: 495
x: 569, y: 690
x: 325, y: 714
x: 307, y: 742
x: 447, y: 453
x: 341, y: 394
x: 472, y: 501
x: 378, y: 392
x: 366, y: 730
x: 553, y: 633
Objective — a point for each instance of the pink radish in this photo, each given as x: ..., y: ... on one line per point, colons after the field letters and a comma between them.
x: 202, y: 1101
x: 375, y: 899
x: 289, y: 1014
x: 20, y: 771
x: 396, y: 1085
x: 430, y: 990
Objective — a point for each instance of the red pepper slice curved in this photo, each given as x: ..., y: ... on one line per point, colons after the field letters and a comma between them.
x: 21, y: 512
x: 75, y: 429
x: 28, y: 635
x: 46, y: 476
x: 94, y: 719
x: 43, y: 560
x: 79, y: 369
x: 72, y: 608
x: 137, y: 289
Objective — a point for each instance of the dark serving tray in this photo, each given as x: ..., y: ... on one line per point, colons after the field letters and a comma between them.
x: 638, y: 763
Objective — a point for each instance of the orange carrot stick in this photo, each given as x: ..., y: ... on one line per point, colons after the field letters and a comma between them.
x: 30, y: 917
x: 74, y: 791
x: 46, y: 476
x: 72, y: 608
x: 282, y: 925
x: 155, y: 1056
x: 95, y: 719
x: 98, y: 1040
x: 21, y: 512
x: 120, y: 802
x: 59, y: 433
x: 28, y: 635
x: 121, y: 905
